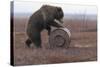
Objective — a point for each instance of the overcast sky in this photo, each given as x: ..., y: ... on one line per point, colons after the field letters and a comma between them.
x: 31, y: 7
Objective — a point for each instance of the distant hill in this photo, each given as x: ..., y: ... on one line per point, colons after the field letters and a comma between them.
x: 66, y: 16
x: 80, y: 16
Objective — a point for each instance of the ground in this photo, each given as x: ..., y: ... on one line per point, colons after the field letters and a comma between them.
x: 83, y: 47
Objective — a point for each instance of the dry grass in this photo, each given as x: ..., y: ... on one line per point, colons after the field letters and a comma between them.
x: 82, y: 47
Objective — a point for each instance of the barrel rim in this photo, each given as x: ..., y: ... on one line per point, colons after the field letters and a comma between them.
x: 63, y: 29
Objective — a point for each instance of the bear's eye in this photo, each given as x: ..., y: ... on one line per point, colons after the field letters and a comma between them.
x: 59, y: 9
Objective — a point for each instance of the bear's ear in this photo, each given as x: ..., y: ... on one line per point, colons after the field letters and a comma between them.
x: 44, y: 6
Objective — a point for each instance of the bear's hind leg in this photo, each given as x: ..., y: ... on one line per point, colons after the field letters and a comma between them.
x: 38, y: 44
x: 37, y: 40
x: 28, y: 42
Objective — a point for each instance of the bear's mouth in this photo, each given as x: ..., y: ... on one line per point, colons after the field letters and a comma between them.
x: 59, y: 21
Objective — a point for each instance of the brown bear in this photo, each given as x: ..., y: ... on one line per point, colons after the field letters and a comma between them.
x: 42, y: 19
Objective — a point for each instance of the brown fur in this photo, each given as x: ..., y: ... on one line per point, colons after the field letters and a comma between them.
x: 42, y: 19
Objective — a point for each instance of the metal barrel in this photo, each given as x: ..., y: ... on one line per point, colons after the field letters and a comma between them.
x: 60, y: 37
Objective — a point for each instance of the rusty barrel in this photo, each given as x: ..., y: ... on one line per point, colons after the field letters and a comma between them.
x: 60, y: 37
